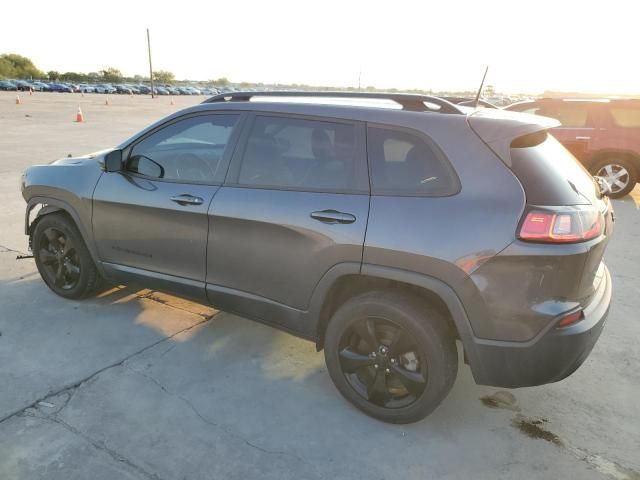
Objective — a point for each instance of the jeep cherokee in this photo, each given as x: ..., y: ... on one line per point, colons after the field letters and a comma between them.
x: 382, y: 227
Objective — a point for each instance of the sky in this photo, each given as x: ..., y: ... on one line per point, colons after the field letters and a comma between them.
x: 562, y: 45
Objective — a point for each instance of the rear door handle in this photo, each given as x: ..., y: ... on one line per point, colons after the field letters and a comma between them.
x: 333, y: 216
x: 583, y: 138
x: 186, y: 199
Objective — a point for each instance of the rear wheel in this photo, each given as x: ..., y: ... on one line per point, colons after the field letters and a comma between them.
x: 391, y: 355
x: 62, y: 258
x: 619, y: 173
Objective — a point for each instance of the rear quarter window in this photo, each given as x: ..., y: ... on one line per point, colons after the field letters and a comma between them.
x: 406, y: 163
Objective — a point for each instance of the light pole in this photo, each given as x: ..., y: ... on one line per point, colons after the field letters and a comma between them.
x: 150, y: 66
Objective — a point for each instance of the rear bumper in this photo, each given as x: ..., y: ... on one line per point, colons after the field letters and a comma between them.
x: 552, y: 355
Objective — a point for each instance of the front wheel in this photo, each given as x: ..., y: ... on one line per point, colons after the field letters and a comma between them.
x: 391, y: 355
x: 62, y: 258
x: 619, y: 173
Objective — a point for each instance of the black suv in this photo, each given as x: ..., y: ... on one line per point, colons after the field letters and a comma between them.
x: 382, y: 234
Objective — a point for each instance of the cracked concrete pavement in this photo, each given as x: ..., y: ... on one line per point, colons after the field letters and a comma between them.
x: 136, y: 384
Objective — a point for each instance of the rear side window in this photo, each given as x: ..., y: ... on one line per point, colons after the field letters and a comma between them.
x: 548, y: 172
x: 627, y: 117
x: 301, y: 154
x: 403, y: 163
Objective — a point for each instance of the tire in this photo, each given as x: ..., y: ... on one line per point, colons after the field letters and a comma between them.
x: 621, y: 167
x: 415, y: 381
x: 62, y: 258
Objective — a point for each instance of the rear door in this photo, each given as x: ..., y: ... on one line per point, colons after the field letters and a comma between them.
x: 294, y: 205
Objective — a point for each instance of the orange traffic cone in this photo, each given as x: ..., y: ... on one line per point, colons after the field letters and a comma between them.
x: 18, y: 102
x: 30, y: 91
x: 82, y: 93
x: 172, y: 101
x: 79, y: 116
x: 106, y: 102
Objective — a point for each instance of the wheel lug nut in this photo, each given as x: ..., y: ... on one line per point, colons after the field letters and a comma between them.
x: 387, y: 371
x: 375, y: 366
x: 393, y: 361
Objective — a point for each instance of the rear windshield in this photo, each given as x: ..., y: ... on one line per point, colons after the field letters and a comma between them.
x: 549, y: 174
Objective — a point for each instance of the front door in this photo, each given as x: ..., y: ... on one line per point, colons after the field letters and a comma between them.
x: 295, y: 204
x: 150, y: 219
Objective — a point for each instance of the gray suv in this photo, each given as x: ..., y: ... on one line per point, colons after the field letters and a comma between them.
x: 385, y: 228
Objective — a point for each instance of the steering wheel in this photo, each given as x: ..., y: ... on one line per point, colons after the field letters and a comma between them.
x: 192, y: 167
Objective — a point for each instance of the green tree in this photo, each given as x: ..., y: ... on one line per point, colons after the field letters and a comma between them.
x: 222, y: 82
x: 74, y: 77
x: 163, y: 76
x: 111, y: 75
x: 16, y: 66
x: 53, y: 75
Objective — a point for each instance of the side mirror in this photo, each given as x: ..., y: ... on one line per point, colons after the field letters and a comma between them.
x: 145, y: 166
x: 113, y: 161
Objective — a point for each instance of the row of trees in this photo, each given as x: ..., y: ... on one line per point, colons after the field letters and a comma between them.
x: 18, y: 67
x: 109, y: 75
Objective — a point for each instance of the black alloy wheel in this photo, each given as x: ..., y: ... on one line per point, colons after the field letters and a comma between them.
x: 59, y: 257
x: 382, y: 362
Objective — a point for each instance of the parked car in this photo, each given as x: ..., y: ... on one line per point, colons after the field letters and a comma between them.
x: 123, y: 89
x: 185, y: 91
x: 22, y: 85
x: 86, y: 88
x: 7, y: 85
x: 194, y: 90
x: 143, y: 89
x: 161, y: 91
x: 60, y: 87
x: 603, y: 134
x: 105, y: 88
x: 381, y: 234
x: 40, y: 87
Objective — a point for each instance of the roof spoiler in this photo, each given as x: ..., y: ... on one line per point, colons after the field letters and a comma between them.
x: 498, y: 128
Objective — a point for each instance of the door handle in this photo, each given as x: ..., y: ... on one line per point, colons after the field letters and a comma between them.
x: 186, y: 199
x: 583, y: 138
x: 333, y: 216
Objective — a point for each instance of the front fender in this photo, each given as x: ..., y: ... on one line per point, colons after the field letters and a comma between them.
x: 52, y: 205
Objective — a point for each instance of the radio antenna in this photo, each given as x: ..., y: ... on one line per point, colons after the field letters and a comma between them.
x: 475, y: 103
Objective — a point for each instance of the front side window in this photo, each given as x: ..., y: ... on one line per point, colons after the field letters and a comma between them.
x: 300, y: 154
x: 189, y: 150
x: 402, y: 163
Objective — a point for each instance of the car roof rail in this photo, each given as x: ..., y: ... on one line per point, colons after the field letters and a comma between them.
x: 408, y: 101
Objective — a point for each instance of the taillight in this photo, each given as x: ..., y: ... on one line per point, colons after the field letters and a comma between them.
x: 562, y: 225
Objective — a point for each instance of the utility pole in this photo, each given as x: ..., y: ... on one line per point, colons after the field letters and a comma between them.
x: 359, y: 75
x: 150, y: 66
